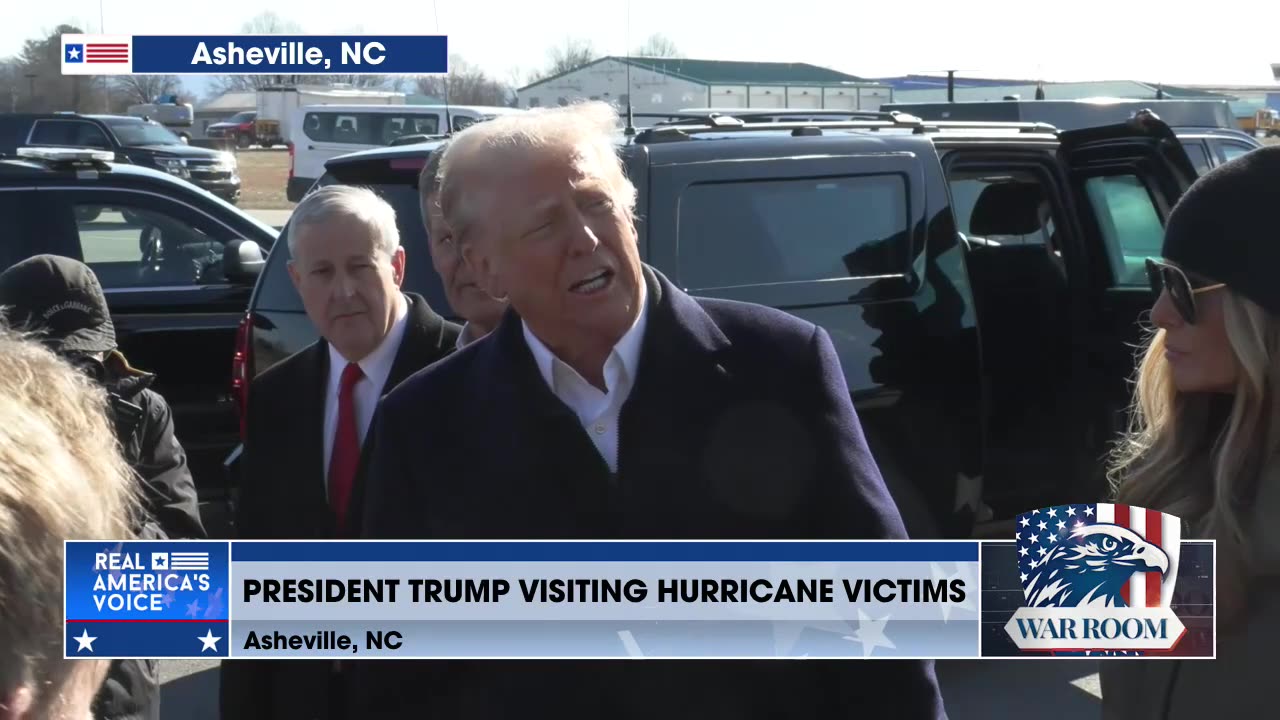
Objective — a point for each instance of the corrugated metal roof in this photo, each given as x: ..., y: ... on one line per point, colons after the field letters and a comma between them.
x: 739, y: 72
x: 726, y: 72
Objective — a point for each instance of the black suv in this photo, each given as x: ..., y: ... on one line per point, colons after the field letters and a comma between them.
x: 982, y: 283
x: 132, y: 139
x: 177, y: 265
x: 1207, y: 128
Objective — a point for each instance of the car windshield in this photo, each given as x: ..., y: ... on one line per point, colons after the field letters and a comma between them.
x: 238, y: 118
x: 135, y: 134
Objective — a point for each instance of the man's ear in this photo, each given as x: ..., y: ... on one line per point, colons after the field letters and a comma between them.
x: 294, y: 275
x: 482, y: 268
x: 397, y: 266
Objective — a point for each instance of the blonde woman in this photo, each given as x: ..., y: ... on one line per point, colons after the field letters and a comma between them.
x: 1205, y: 438
x: 61, y: 478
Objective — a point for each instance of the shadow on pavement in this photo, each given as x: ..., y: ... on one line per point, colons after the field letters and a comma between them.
x: 190, y: 697
x: 987, y: 689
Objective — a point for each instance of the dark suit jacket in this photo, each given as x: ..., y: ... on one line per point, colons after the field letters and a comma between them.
x: 282, y: 496
x: 739, y: 425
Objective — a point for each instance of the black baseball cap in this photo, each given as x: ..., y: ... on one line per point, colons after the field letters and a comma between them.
x: 60, y: 299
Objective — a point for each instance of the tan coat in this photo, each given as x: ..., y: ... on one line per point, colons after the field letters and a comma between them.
x: 1242, y: 682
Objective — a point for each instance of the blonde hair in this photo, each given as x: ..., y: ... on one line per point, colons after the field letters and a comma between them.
x: 586, y: 129
x: 61, y: 478
x: 1202, y: 457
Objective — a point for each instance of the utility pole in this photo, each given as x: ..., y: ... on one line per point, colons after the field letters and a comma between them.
x: 951, y: 86
x: 106, y: 79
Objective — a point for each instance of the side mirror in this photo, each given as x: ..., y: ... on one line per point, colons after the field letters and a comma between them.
x: 242, y: 261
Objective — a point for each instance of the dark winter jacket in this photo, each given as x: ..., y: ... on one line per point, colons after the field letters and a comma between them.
x: 144, y: 427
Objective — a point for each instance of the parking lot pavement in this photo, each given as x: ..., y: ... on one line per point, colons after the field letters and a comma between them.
x: 274, y: 218
x: 972, y: 689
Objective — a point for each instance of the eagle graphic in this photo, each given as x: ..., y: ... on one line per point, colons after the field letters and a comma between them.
x: 1091, y: 566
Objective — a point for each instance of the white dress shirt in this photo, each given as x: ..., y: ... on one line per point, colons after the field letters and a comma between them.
x: 376, y: 367
x: 598, y: 411
x: 468, y: 335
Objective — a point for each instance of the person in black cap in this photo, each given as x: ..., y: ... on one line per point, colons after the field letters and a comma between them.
x: 1204, y: 444
x: 60, y: 301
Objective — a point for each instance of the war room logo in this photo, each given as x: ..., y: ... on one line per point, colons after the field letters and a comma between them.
x: 1097, y: 578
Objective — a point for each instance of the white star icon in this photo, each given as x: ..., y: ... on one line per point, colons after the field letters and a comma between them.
x: 1053, y: 539
x: 1034, y: 539
x: 1022, y: 552
x: 209, y: 642
x: 74, y: 53
x: 86, y: 642
x: 1017, y: 536
x: 1043, y: 526
x: 1053, y: 512
x: 1025, y: 522
x: 1023, y: 577
x: 871, y: 634
x: 1062, y: 525
x: 1079, y: 525
x: 1042, y: 551
x: 1035, y: 512
x: 1088, y: 511
x: 1071, y: 512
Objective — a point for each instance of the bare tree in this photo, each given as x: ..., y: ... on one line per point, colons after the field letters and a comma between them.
x: 659, y: 46
x: 571, y: 55
x: 466, y: 84
x: 36, y: 82
x: 142, y: 89
x: 263, y: 23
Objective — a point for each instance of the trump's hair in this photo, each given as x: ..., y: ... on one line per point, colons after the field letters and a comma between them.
x: 336, y: 202
x: 587, y: 129
x: 61, y: 478
x: 1203, y: 457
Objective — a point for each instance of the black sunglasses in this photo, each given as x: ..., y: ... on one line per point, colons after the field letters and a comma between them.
x: 1182, y: 292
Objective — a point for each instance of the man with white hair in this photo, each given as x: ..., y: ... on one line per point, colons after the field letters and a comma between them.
x: 309, y: 414
x: 623, y: 408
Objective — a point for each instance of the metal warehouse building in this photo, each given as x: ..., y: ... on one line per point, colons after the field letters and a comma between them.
x: 671, y: 84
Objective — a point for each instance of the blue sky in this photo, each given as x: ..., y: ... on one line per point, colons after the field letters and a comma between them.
x: 1089, y: 40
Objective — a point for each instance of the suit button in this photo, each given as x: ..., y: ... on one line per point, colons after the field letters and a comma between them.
x: 599, y: 429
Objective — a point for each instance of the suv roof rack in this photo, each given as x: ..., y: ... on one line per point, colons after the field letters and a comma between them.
x: 874, y: 122
x: 68, y: 158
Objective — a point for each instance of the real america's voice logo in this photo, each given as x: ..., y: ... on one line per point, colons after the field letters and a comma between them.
x: 1097, y: 578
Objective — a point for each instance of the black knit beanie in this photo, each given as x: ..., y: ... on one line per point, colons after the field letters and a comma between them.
x: 1227, y: 227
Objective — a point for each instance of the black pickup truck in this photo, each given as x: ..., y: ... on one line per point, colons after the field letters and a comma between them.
x: 982, y: 282
x: 133, y: 140
x: 176, y: 263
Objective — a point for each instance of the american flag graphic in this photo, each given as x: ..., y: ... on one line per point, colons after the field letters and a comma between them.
x: 106, y: 52
x: 1115, y: 570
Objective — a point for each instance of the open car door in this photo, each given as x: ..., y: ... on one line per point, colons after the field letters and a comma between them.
x: 1125, y: 180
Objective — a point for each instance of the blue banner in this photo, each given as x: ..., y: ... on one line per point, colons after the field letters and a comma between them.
x: 254, y: 54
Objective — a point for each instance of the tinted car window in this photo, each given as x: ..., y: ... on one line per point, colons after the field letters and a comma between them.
x: 1130, y: 225
x: 756, y: 232
x: 68, y: 132
x: 1198, y: 155
x: 1231, y: 151
x: 134, y: 134
x: 276, y: 291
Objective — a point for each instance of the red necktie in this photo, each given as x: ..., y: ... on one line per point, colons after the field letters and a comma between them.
x: 346, y: 447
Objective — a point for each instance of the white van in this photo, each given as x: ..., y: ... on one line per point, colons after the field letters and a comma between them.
x: 321, y: 132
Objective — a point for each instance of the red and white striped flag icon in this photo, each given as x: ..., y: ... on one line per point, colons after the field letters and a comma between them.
x: 106, y: 52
